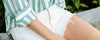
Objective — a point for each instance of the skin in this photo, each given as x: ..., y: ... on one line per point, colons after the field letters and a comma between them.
x: 80, y: 30
x: 43, y: 30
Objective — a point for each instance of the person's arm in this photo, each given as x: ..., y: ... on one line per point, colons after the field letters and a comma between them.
x: 29, y: 18
x: 26, y: 16
x: 81, y: 30
x: 43, y: 30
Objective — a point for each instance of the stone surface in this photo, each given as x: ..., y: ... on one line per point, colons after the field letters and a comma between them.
x: 91, y: 16
x: 4, y: 36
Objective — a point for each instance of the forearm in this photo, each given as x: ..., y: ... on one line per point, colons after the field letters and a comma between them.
x: 41, y: 29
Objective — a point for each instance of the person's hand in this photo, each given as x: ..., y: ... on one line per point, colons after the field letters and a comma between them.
x: 57, y: 37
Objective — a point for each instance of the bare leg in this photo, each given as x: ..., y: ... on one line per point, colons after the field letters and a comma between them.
x: 81, y: 30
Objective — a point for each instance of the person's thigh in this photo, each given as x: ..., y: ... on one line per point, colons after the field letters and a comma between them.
x: 81, y: 30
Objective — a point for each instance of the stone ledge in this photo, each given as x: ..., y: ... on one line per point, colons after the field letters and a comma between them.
x: 4, y: 36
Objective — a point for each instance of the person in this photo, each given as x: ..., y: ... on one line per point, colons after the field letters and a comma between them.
x: 45, y: 20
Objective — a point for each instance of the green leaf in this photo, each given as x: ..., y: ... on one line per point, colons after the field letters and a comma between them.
x: 73, y: 1
x: 69, y: 7
x: 1, y: 13
x: 77, y: 3
x: 83, y: 5
x: 79, y: 10
x: 67, y: 2
x: 1, y: 6
x: 99, y: 2
x: 95, y: 2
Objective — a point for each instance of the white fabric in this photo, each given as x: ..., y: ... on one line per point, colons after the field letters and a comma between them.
x: 54, y: 18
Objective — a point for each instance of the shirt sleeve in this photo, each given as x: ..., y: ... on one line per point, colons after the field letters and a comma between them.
x: 61, y: 3
x: 25, y: 16
x: 22, y: 13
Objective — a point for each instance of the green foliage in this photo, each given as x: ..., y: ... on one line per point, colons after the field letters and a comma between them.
x: 69, y: 7
x: 99, y: 2
x: 2, y: 20
x: 74, y: 5
x: 96, y: 2
x: 81, y: 5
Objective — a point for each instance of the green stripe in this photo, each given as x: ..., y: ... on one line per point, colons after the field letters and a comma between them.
x: 9, y: 8
x: 25, y: 22
x: 33, y: 14
x: 30, y: 18
x: 22, y: 11
x: 33, y: 5
x: 53, y: 1
x: 43, y: 3
x: 14, y: 22
x: 5, y: 15
x: 10, y: 26
x: 18, y: 21
x: 59, y: 4
x: 50, y: 3
x: 14, y: 6
x: 18, y: 5
x: 23, y: 3
x: 38, y: 5
x: 7, y: 19
x: 21, y: 21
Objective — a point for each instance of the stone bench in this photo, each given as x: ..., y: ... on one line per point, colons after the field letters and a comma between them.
x: 4, y: 36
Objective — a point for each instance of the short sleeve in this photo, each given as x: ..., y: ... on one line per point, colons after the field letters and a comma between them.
x: 25, y: 16
x: 21, y: 11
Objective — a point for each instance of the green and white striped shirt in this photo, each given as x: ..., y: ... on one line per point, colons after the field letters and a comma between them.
x: 19, y: 13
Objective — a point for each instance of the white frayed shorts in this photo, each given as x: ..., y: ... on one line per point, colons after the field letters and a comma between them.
x: 54, y: 18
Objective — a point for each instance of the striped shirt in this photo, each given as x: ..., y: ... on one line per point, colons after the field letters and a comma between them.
x: 19, y: 13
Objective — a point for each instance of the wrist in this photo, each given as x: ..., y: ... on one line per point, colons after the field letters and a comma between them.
x: 51, y: 36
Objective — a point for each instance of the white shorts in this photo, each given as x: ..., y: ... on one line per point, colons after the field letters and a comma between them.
x: 54, y: 18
